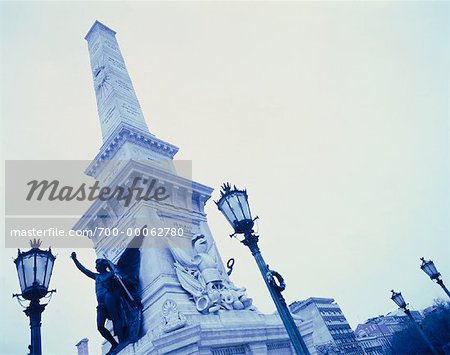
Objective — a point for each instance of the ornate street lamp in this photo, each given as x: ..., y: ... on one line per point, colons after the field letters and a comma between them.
x: 34, y: 269
x: 400, y: 302
x: 233, y: 203
x: 429, y: 269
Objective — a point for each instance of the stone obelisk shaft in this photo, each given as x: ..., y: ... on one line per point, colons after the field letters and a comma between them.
x: 117, y: 103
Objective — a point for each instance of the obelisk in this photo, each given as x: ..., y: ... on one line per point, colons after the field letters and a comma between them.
x: 117, y: 103
x: 190, y: 305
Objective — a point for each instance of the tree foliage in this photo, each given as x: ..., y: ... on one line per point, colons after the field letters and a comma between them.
x: 436, y: 326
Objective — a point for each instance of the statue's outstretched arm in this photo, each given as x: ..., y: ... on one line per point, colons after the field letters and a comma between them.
x: 80, y: 267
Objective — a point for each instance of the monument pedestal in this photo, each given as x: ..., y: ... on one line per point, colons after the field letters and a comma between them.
x: 247, y: 332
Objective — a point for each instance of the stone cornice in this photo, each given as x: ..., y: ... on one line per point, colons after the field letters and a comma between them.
x: 198, y: 191
x: 125, y: 133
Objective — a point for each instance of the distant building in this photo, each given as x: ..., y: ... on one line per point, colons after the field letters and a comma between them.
x: 82, y: 347
x: 332, y: 333
x: 372, y: 346
x: 375, y: 335
x: 374, y: 338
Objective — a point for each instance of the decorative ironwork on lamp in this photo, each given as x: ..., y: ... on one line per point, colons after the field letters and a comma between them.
x: 34, y: 270
x: 430, y: 269
x: 233, y: 204
x: 400, y: 302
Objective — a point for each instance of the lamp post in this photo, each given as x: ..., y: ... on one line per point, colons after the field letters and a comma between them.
x: 429, y: 269
x: 233, y: 203
x: 400, y: 302
x: 34, y: 269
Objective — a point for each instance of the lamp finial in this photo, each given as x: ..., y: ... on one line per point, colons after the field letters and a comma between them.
x: 35, y: 243
x: 226, y: 187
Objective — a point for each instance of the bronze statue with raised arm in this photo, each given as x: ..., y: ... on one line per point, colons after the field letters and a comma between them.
x: 117, y: 290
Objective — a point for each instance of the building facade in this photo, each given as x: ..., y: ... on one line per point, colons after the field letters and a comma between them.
x: 375, y: 335
x: 82, y: 347
x: 372, y: 346
x: 332, y: 333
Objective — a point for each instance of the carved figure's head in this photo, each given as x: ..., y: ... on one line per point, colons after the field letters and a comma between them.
x: 200, y: 243
x: 101, y: 265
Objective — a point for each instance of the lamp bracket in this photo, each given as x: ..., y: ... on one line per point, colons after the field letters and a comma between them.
x: 49, y: 296
x: 49, y: 293
x: 20, y: 299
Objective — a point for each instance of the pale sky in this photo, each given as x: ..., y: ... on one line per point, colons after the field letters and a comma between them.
x: 334, y: 116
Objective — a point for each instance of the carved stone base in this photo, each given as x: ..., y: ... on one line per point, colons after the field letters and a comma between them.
x: 226, y: 333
